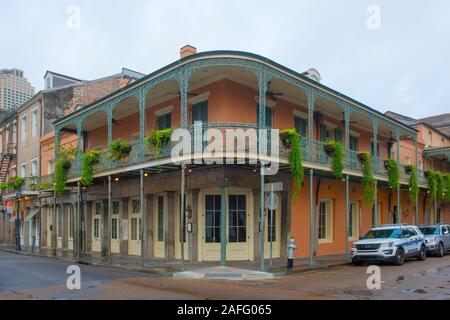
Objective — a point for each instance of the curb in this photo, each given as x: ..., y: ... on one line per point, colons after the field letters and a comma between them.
x: 276, y: 274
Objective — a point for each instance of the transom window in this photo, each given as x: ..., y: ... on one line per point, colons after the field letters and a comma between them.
x: 136, y: 206
x: 212, y: 218
x: 98, y: 208
x: 115, y: 207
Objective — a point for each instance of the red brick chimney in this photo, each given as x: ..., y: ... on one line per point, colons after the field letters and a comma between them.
x: 187, y: 50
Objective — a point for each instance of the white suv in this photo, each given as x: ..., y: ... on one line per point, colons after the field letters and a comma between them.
x: 390, y: 243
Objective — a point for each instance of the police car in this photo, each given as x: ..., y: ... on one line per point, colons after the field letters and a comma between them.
x: 390, y: 243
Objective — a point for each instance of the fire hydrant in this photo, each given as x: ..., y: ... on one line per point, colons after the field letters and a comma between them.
x: 292, y: 246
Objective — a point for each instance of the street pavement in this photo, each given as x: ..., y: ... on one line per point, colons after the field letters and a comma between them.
x: 28, y: 277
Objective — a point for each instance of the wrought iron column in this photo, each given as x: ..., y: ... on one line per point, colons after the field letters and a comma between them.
x: 262, y: 86
x: 399, y: 214
x: 141, y: 123
x: 375, y: 203
x: 347, y: 214
x: 79, y: 145
x: 109, y: 120
x: 261, y: 222
x: 416, y: 147
x: 375, y: 147
x: 78, y: 224
x: 184, y: 86
x: 347, y: 114
x: 310, y: 98
x: 311, y: 209
x: 223, y: 222
x: 182, y: 212
x: 109, y: 217
x: 142, y: 215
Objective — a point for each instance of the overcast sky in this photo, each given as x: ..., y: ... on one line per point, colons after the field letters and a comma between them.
x: 400, y: 62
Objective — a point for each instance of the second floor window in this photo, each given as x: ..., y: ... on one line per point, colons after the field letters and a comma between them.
x: 353, y: 143
x: 23, y: 170
x: 429, y: 139
x: 200, y: 112
x: 34, y: 168
x: 24, y: 128
x: 34, y: 122
x: 269, y: 116
x: 300, y: 126
x: 164, y: 121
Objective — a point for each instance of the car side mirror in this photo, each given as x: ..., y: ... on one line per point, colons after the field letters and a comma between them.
x: 445, y: 233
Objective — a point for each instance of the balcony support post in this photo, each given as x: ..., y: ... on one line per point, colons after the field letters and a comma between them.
x: 347, y: 113
x: 109, y: 237
x: 347, y: 216
x: 57, y: 143
x: 78, y: 222
x: 184, y: 86
x: 261, y: 221
x: 375, y: 204
x: 109, y: 118
x: 79, y: 146
x: 311, y: 210
x: 310, y: 98
x: 141, y: 123
x: 397, y: 155
x: 375, y: 146
x: 416, y: 148
x: 143, y: 224
x: 262, y: 86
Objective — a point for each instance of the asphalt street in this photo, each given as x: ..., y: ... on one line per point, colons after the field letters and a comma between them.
x: 26, y: 277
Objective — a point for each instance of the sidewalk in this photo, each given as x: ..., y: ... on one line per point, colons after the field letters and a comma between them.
x: 234, y: 270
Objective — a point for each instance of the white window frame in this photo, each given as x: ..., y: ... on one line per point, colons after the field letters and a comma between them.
x: 23, y: 127
x: 36, y: 163
x: 34, y: 122
x: 23, y: 166
x: 329, y: 221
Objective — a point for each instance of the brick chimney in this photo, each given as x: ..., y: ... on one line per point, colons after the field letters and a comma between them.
x: 187, y: 50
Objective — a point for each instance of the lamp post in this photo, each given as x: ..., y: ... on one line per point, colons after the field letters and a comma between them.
x: 18, y: 247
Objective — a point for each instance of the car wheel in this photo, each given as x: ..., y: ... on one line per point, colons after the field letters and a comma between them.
x: 423, y: 253
x: 356, y: 263
x: 440, y: 250
x: 399, y: 257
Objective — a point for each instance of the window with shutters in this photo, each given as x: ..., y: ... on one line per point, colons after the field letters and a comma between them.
x: 164, y: 121
x: 200, y: 112
x: 269, y: 116
x: 300, y: 126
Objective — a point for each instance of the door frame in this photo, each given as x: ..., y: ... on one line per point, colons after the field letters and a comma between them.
x: 132, y: 215
x: 201, y: 223
x: 100, y: 218
x: 118, y: 218
x: 159, y: 247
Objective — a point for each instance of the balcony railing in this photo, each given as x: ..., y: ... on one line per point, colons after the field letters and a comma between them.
x: 311, y: 152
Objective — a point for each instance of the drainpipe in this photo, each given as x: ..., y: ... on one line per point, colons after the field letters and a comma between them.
x: 311, y: 208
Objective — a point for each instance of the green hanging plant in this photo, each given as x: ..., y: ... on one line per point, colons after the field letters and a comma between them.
x: 90, y: 159
x: 15, y: 183
x: 44, y: 186
x: 157, y: 139
x: 447, y: 186
x: 336, y: 151
x: 440, y: 186
x: 413, y: 192
x: 368, y: 181
x: 4, y: 186
x: 291, y: 139
x: 119, y: 149
x: 430, y: 175
x: 393, y: 173
x: 61, y: 168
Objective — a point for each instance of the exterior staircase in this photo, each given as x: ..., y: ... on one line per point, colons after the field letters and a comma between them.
x: 7, y: 156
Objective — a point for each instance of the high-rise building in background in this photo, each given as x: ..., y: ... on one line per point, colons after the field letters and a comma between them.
x: 14, y: 89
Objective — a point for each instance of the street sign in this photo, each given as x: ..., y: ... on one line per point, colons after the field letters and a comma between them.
x: 273, y: 201
x: 277, y: 187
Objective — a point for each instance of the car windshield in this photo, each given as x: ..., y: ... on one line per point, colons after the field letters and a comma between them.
x: 383, y: 233
x: 430, y: 231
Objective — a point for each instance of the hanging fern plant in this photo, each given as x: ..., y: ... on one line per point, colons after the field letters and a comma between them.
x: 158, y: 139
x: 90, y: 159
x: 393, y: 173
x: 432, y: 183
x: 61, y: 168
x: 336, y: 150
x: 413, y: 192
x: 119, y: 149
x: 368, y: 181
x: 16, y: 183
x: 293, y: 143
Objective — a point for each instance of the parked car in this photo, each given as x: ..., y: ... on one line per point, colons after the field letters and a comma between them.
x: 437, y: 238
x: 391, y: 244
